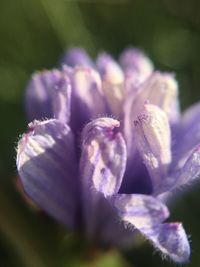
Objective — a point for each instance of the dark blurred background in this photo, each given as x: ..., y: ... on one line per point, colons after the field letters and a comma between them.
x: 33, y: 35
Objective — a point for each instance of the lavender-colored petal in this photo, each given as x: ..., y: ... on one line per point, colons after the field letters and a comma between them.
x: 136, y: 66
x: 153, y: 140
x: 37, y: 98
x: 47, y: 167
x: 142, y: 211
x: 102, y: 165
x: 112, y: 83
x: 103, y: 156
x: 146, y: 214
x: 187, y: 172
x: 76, y: 57
x: 172, y: 241
x: 48, y: 95
x: 188, y: 133
x: 160, y: 90
x: 109, y: 230
x: 191, y: 168
x: 87, y: 97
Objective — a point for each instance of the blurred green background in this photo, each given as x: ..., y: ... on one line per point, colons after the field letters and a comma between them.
x: 33, y: 35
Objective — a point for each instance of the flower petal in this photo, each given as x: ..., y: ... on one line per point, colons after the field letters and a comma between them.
x: 47, y: 167
x: 135, y: 65
x: 109, y: 230
x: 142, y: 211
x: 103, y: 159
x: 187, y: 172
x: 160, y: 90
x: 146, y: 214
x: 48, y: 95
x: 189, y: 127
x: 191, y: 168
x: 153, y: 140
x: 102, y: 167
x: 112, y: 82
x: 76, y: 57
x: 171, y: 239
x: 87, y: 97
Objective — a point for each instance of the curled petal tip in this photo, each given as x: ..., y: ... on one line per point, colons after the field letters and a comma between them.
x: 173, y: 242
x: 107, y: 125
x: 103, y: 155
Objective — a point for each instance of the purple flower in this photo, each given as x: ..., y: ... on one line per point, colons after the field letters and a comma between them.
x: 107, y: 146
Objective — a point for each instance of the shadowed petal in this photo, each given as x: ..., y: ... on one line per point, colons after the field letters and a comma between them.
x: 191, y: 168
x: 153, y: 140
x: 87, y: 97
x: 76, y: 57
x: 109, y: 230
x: 112, y: 83
x: 48, y: 95
x: 146, y: 214
x: 102, y: 166
x: 48, y: 170
x: 189, y: 133
x: 187, y: 172
x: 135, y: 65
